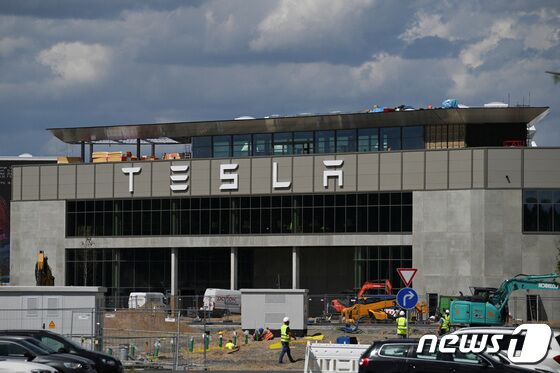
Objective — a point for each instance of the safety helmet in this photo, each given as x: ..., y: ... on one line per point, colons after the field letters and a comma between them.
x: 447, y: 312
x: 401, y: 313
x: 286, y: 319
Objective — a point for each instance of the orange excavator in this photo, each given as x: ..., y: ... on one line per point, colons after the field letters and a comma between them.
x: 378, y: 307
x: 383, y: 285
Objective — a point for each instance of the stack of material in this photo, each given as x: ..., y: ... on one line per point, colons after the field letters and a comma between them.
x: 101, y: 157
x: 171, y: 156
x: 67, y: 160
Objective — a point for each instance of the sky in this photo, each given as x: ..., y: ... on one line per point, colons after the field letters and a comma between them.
x: 67, y: 63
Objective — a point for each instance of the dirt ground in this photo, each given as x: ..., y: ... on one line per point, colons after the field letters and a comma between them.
x: 255, y: 355
x: 258, y: 355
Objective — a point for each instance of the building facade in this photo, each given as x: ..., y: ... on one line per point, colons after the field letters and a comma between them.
x: 323, y: 203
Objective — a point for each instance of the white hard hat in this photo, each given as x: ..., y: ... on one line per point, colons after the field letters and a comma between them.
x: 401, y: 313
x: 286, y: 319
x: 446, y: 311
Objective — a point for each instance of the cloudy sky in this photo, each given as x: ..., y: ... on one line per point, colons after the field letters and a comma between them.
x: 79, y: 63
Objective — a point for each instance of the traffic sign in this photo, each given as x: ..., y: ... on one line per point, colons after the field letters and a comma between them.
x: 407, y: 298
x: 407, y: 274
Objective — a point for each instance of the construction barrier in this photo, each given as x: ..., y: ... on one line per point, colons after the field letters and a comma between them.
x: 327, y: 358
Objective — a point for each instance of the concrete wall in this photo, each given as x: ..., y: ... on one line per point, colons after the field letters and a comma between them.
x: 474, y: 238
x: 37, y: 226
x: 446, y: 169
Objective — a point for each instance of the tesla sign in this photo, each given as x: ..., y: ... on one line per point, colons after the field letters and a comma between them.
x: 229, y: 177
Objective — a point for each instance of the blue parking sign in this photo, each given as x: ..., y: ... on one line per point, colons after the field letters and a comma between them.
x: 407, y: 298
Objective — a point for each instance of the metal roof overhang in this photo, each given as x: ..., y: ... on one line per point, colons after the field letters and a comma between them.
x: 181, y: 132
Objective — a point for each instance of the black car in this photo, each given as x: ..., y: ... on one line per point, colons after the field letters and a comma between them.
x: 30, y: 349
x: 103, y: 363
x: 400, y: 356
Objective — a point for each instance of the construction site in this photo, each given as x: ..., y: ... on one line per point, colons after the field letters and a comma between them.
x: 186, y: 245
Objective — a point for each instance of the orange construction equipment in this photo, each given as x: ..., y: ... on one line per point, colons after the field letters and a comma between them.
x: 379, y: 310
x: 384, y: 285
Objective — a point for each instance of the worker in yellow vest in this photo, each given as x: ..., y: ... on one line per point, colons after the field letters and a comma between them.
x: 285, y: 336
x: 444, y: 323
x: 402, y: 325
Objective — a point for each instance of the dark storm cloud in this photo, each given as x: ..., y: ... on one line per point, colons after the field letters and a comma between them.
x: 70, y: 63
x: 86, y: 9
x: 431, y: 47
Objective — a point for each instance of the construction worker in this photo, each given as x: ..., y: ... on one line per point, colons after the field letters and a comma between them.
x: 267, y: 335
x: 444, y: 323
x: 230, y: 345
x: 402, y: 325
x: 285, y: 336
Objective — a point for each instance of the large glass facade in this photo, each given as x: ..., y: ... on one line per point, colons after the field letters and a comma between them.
x: 123, y: 271
x: 309, y: 142
x: 375, y: 263
x: 541, y: 211
x: 290, y: 214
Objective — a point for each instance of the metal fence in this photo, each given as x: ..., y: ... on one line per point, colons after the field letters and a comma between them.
x: 184, y: 338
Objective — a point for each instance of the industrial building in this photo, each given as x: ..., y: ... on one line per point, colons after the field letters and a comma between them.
x: 320, y: 202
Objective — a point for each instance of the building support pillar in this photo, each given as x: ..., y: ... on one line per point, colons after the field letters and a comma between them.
x: 153, y: 150
x: 233, y: 269
x: 138, y: 150
x: 83, y: 151
x: 295, y: 267
x: 174, y: 279
x: 91, y: 152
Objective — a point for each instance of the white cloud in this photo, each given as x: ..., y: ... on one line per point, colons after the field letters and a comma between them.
x: 306, y: 21
x: 426, y: 25
x: 77, y: 62
x: 473, y: 55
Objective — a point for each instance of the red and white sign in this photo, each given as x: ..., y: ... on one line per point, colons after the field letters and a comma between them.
x: 407, y: 274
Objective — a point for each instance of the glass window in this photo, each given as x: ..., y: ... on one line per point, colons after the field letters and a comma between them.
x: 262, y: 144
x: 530, y: 217
x: 530, y: 196
x: 241, y: 145
x: 368, y: 140
x: 391, y: 138
x: 303, y: 142
x: 545, y: 217
x: 282, y: 143
x: 324, y: 142
x: 221, y: 146
x: 202, y: 147
x: 413, y: 137
x: 394, y: 350
x: 345, y: 141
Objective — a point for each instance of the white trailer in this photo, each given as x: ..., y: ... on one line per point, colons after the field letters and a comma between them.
x: 68, y: 310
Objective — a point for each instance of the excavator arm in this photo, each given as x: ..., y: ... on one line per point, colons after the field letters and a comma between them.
x: 523, y: 282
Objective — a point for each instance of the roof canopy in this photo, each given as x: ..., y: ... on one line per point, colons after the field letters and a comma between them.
x: 181, y: 132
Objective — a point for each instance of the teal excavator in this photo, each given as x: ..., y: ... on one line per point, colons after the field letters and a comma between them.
x: 490, y: 307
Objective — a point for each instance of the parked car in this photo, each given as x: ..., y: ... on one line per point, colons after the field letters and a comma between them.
x: 25, y: 367
x: 103, y: 363
x: 550, y: 363
x: 400, y: 356
x: 30, y: 349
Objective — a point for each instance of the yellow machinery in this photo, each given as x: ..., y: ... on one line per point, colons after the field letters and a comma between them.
x: 43, y: 274
x: 380, y: 310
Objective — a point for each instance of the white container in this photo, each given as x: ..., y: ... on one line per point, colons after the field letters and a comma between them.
x: 266, y: 308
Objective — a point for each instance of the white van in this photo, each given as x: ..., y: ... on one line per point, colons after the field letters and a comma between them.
x: 151, y: 300
x: 221, y: 301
